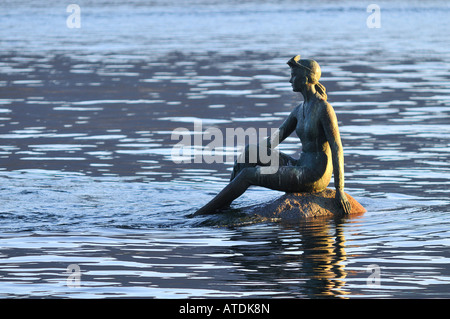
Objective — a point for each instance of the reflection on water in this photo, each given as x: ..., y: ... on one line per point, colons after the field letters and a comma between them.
x: 305, y: 261
x: 317, y: 259
x: 86, y: 168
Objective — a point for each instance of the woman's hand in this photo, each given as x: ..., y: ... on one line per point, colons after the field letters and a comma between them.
x: 341, y: 198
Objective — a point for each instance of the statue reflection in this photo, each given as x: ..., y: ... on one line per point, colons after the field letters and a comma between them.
x: 305, y: 260
x: 323, y: 257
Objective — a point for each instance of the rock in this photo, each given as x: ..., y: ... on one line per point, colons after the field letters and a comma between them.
x: 293, y: 207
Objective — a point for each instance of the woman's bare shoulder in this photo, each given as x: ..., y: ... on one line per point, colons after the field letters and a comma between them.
x: 296, y: 110
x: 326, y: 108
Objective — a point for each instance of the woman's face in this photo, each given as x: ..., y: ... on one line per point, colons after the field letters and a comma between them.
x: 298, y: 79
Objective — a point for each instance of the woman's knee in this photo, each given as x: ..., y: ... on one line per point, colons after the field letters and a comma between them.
x: 247, y: 174
x: 249, y: 155
x: 256, y: 154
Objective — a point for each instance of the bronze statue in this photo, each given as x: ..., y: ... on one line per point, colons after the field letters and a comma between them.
x: 315, y: 123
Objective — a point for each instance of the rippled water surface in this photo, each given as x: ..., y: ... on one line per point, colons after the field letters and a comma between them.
x: 88, y: 176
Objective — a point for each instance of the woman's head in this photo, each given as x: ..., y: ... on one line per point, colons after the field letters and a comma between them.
x: 311, y: 68
x: 310, y: 71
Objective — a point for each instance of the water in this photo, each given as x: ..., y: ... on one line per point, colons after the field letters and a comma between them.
x: 87, y: 176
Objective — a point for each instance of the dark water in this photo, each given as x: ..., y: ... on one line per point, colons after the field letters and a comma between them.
x: 87, y: 175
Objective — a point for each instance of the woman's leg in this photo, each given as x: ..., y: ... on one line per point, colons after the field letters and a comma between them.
x: 233, y: 190
x: 286, y: 179
x: 246, y: 173
x: 250, y: 157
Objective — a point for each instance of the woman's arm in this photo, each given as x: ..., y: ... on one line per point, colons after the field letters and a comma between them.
x: 284, y: 130
x: 330, y: 125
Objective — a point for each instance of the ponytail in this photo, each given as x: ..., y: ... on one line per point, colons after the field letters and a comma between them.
x: 321, y: 91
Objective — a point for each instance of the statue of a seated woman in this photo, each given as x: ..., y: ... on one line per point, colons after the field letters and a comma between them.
x: 315, y: 123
